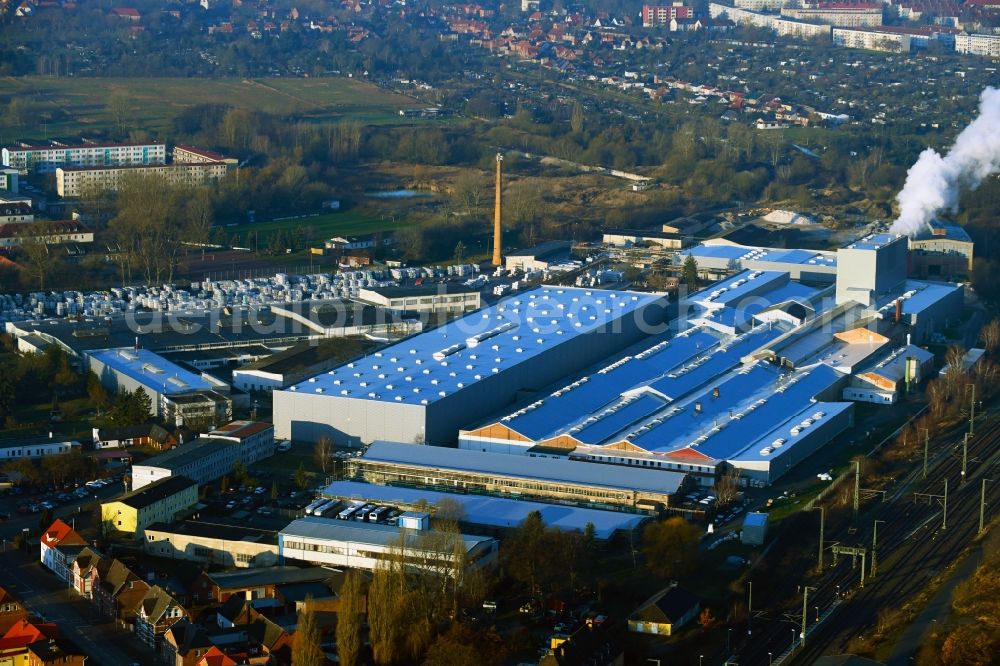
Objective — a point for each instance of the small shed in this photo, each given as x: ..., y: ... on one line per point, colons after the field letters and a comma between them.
x: 754, y: 529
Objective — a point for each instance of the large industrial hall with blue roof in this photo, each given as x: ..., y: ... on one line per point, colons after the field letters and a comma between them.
x: 616, y: 401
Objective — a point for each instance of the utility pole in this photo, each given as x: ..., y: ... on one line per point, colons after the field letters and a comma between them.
x: 805, y: 609
x: 749, y: 607
x: 875, y: 546
x: 944, y: 516
x: 982, y: 507
x: 965, y: 455
x: 822, y: 527
x: 972, y: 407
x: 857, y: 485
x: 927, y: 437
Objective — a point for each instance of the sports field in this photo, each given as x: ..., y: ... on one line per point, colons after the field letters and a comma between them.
x: 71, y: 106
x: 348, y: 223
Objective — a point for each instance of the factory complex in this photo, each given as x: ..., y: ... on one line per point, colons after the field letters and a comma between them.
x: 426, y: 387
x: 576, y: 396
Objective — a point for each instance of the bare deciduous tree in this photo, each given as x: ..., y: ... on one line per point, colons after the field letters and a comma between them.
x: 323, y: 453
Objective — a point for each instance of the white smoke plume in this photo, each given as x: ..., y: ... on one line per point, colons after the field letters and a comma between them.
x: 933, y: 183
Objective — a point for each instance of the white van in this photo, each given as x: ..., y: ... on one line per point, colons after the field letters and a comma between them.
x: 284, y: 446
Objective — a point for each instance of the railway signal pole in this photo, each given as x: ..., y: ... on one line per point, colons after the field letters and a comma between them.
x: 965, y: 455
x: 972, y: 406
x: 805, y: 609
x: 927, y: 437
x: 982, y: 506
x: 822, y: 529
x: 875, y: 547
x: 857, y: 486
x: 944, y: 515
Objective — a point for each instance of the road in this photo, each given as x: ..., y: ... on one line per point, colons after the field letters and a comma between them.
x: 78, y: 619
x: 914, y: 545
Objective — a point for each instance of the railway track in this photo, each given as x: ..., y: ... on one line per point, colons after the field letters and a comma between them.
x: 913, y: 547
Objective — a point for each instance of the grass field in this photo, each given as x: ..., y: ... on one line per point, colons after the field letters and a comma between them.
x: 69, y: 106
x: 326, y: 226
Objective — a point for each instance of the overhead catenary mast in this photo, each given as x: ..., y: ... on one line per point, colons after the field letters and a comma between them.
x: 497, y: 233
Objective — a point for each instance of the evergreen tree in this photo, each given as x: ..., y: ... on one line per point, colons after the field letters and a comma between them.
x: 689, y: 273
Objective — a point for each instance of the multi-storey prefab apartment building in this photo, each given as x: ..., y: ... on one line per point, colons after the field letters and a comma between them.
x: 46, y: 158
x: 73, y: 181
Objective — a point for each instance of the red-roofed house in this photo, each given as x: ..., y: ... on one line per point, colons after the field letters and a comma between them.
x: 59, y: 542
x: 14, y: 644
x: 126, y: 13
x: 215, y: 657
x: 11, y: 611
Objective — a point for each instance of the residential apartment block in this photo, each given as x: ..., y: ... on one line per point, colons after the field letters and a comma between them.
x: 653, y: 15
x: 789, y: 28
x: 872, y: 40
x: 843, y: 16
x: 761, y: 5
x: 983, y: 45
x: 74, y: 181
x: 46, y: 158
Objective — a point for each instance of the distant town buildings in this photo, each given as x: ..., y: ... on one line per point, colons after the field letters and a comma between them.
x: 653, y: 15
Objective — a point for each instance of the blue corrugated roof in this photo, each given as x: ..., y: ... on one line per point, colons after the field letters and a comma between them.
x: 794, y: 395
x: 708, y: 366
x: 430, y: 365
x: 763, y: 254
x: 494, y: 511
x: 926, y: 294
x: 618, y: 418
x: 780, y: 439
x: 150, y: 370
x: 684, y: 426
x: 873, y: 241
x: 572, y: 403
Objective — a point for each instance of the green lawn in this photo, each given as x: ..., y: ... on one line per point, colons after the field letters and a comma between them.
x: 323, y: 226
x: 68, y: 106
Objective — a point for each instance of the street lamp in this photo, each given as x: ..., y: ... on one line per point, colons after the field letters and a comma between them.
x: 793, y: 638
x: 768, y: 659
x: 701, y: 659
x: 817, y: 612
